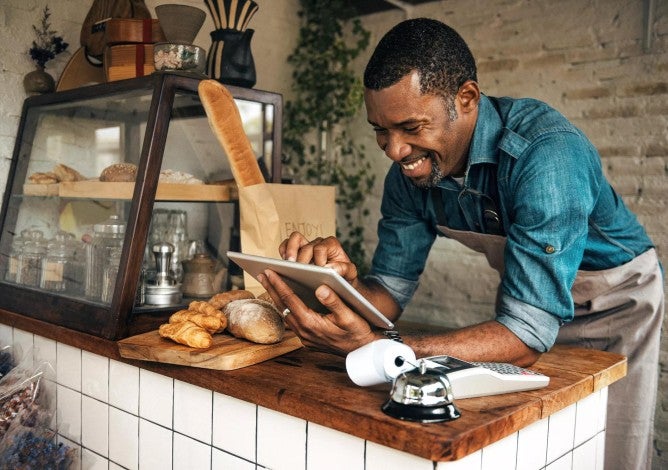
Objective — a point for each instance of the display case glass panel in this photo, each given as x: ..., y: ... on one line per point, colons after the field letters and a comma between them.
x: 121, y: 202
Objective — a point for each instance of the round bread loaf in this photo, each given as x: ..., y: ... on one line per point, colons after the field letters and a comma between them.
x: 255, y: 320
x: 119, y: 173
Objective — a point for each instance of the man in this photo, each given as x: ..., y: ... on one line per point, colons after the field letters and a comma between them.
x: 513, y: 179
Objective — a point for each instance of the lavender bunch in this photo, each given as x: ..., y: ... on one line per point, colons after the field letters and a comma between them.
x: 48, y: 44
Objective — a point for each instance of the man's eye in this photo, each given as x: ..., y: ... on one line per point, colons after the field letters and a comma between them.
x: 411, y: 129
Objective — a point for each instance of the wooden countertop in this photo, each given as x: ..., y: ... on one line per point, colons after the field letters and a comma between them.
x: 315, y: 386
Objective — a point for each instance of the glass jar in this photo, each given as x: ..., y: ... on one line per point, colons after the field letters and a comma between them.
x: 30, y: 259
x: 14, y: 253
x: 57, y: 263
x: 157, y: 234
x: 110, y: 274
x: 177, y: 235
x: 107, y: 235
x: 76, y: 272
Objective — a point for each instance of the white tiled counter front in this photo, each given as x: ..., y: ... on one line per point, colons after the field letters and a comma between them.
x: 121, y: 416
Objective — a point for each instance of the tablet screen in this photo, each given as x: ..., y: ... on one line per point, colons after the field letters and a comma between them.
x: 304, y: 279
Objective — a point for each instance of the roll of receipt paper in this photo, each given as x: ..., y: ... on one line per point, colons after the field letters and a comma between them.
x: 379, y: 362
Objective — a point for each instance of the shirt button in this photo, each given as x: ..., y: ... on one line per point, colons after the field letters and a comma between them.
x: 549, y: 249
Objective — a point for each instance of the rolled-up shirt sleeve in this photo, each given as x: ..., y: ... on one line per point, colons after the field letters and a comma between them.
x: 533, y: 326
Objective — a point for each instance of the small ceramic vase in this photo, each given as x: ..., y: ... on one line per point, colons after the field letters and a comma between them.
x: 38, y: 82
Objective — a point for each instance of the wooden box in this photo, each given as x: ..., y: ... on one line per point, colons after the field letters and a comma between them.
x: 128, y: 61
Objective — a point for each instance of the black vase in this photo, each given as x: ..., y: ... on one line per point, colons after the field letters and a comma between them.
x: 230, y: 60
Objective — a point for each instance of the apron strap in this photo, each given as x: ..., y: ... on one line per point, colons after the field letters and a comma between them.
x: 437, y: 200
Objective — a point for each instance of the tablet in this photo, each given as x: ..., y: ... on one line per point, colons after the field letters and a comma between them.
x: 304, y: 279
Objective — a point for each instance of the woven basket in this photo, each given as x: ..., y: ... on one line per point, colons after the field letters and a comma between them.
x: 180, y: 23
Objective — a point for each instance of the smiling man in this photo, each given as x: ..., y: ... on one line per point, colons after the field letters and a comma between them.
x: 515, y: 180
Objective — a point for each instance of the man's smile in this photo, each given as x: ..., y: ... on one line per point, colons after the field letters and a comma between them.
x: 413, y: 164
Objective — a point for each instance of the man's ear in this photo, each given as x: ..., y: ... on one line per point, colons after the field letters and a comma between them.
x: 468, y: 96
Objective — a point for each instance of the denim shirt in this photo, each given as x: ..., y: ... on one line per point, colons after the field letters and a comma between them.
x: 559, y: 214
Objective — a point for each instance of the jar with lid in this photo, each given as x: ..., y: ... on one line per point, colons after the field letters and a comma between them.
x: 56, y: 265
x: 177, y: 235
x: 110, y: 274
x: 107, y: 235
x: 14, y: 253
x: 76, y: 270
x: 31, y: 258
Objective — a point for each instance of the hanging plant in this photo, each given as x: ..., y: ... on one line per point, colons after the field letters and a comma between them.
x: 328, y: 94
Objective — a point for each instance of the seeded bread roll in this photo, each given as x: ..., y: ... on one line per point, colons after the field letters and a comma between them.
x: 225, y: 121
x: 119, y: 173
x: 255, y: 320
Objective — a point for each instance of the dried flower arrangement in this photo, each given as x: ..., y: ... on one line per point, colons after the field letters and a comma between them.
x: 48, y: 44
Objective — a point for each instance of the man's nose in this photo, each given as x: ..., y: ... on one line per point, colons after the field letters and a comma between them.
x: 396, y: 148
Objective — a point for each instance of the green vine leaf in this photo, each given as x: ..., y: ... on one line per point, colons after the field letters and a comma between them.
x: 328, y: 94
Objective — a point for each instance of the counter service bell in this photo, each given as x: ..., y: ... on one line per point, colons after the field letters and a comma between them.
x: 423, y: 395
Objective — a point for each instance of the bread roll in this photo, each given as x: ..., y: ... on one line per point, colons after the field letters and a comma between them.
x: 204, y: 307
x: 186, y: 332
x: 43, y: 178
x: 225, y: 121
x: 220, y: 300
x: 66, y: 173
x: 255, y: 320
x: 266, y: 297
x: 119, y: 173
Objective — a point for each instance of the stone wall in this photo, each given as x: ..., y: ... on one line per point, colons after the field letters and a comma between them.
x: 590, y: 60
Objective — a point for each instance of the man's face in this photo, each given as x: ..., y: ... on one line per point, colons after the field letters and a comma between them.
x: 416, y: 131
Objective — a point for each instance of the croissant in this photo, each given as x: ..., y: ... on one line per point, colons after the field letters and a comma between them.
x: 214, y: 323
x: 188, y: 333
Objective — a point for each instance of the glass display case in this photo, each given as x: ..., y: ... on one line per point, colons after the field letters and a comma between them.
x: 120, y: 202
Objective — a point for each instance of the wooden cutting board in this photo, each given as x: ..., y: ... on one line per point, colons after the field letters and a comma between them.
x: 227, y: 352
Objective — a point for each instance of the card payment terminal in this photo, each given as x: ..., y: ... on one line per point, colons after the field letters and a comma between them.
x: 477, y: 379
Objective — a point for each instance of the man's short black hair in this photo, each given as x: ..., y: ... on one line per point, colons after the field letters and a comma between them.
x: 435, y: 50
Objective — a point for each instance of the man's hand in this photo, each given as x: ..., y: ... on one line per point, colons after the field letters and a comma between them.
x: 321, y: 252
x: 339, y: 331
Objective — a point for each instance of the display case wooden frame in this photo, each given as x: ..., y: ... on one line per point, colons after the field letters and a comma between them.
x: 119, y: 319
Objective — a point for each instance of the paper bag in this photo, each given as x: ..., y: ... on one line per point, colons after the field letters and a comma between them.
x: 269, y: 213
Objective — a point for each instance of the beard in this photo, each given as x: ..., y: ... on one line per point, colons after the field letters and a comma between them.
x: 431, y: 181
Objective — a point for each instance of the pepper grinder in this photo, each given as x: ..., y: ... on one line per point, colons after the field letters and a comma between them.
x: 163, y: 289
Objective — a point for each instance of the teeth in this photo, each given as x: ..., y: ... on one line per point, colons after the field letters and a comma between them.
x: 413, y: 165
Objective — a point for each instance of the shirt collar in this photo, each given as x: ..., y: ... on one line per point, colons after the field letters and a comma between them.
x: 484, y: 144
x: 488, y: 130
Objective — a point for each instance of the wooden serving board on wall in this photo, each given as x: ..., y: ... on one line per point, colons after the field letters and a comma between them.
x: 227, y: 352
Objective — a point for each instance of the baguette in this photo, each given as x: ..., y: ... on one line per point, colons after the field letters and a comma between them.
x: 225, y: 121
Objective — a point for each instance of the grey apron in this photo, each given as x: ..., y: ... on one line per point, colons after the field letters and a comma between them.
x: 618, y: 310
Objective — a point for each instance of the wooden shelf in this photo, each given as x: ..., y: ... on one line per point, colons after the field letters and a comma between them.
x: 94, y: 189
